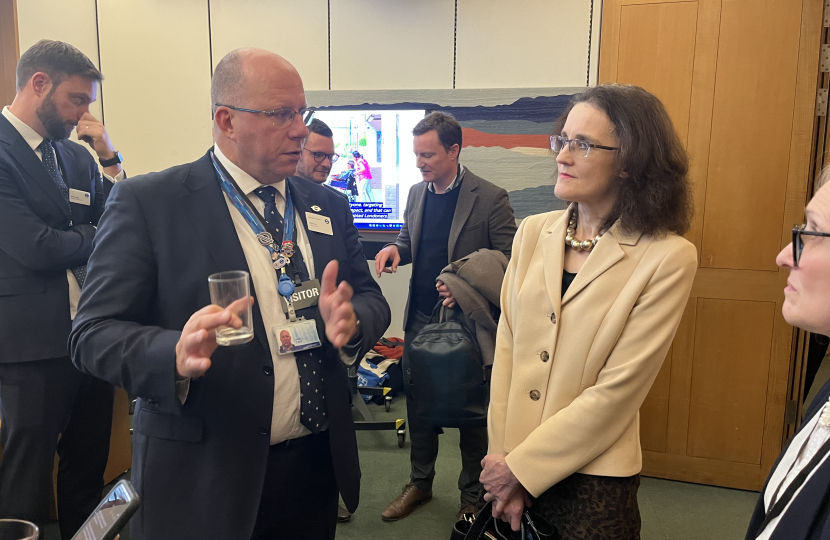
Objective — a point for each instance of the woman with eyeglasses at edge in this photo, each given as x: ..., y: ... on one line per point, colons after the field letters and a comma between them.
x: 590, y: 302
x: 793, y: 504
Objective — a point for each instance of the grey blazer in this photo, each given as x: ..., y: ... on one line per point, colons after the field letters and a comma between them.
x: 483, y: 219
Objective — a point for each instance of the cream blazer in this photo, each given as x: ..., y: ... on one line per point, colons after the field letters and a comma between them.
x: 570, y: 375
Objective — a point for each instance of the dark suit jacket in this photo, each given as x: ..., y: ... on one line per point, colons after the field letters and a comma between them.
x: 483, y: 218
x: 808, y: 517
x: 41, y: 235
x: 199, y: 467
x: 326, y: 186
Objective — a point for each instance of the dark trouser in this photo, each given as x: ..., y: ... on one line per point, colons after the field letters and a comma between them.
x: 585, y: 506
x: 299, y: 497
x: 424, y: 437
x: 42, y: 401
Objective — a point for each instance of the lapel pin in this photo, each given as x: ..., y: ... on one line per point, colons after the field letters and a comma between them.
x: 316, y: 208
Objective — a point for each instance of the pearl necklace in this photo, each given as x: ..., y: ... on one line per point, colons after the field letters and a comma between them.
x: 824, y: 418
x: 576, y: 245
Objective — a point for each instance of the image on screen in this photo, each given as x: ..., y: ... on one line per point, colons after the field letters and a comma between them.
x: 106, y: 514
x: 384, y: 139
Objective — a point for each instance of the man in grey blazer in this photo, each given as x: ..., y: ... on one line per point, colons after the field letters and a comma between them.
x: 451, y: 214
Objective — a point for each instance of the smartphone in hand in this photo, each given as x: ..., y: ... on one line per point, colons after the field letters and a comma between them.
x: 111, y: 515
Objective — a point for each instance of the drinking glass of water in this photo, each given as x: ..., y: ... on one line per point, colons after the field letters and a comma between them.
x: 16, y: 529
x: 225, y: 289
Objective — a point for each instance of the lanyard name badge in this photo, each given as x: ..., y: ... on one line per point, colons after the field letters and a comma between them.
x: 298, y: 334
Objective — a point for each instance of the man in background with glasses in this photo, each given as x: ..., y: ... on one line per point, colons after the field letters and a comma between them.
x: 242, y: 442
x: 318, y: 156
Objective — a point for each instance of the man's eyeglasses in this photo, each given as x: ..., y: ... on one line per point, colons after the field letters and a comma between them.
x: 320, y: 156
x: 576, y: 146
x: 279, y: 117
x: 798, y: 241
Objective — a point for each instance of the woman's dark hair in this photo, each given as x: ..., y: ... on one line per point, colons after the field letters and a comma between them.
x: 653, y: 190
x: 356, y: 154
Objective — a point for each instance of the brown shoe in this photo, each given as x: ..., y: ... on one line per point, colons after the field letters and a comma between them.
x: 466, y: 509
x: 410, y: 498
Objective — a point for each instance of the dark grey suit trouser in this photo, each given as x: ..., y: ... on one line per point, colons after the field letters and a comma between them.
x: 48, y: 406
x: 424, y: 437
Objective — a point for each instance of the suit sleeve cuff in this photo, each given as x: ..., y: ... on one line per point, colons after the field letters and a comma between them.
x: 350, y: 351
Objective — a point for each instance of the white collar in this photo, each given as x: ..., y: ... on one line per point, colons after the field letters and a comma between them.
x: 453, y: 184
x: 247, y: 183
x: 32, y: 137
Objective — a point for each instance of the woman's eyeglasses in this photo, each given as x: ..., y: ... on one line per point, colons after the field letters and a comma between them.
x: 798, y: 241
x: 576, y: 146
x: 320, y: 156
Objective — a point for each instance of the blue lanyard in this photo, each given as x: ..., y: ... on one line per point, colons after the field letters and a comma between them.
x: 250, y: 215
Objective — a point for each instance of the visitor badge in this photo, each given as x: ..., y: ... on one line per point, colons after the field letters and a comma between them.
x: 306, y: 294
x: 297, y: 336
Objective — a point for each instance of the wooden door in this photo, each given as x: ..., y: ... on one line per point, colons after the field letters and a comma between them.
x: 738, y: 78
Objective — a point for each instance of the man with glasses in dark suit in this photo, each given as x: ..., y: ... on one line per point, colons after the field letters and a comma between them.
x: 244, y: 442
x: 51, y: 198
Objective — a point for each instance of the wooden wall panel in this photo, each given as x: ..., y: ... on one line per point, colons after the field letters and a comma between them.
x: 731, y: 368
x: 654, y: 413
x: 753, y: 109
x: 9, y: 52
x: 297, y: 31
x: 657, y: 49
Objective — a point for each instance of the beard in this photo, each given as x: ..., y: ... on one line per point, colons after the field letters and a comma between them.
x: 55, y: 126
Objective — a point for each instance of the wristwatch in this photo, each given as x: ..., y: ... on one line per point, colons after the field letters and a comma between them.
x: 111, y: 161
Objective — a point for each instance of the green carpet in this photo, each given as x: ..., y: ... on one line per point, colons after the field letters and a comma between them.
x: 670, y: 510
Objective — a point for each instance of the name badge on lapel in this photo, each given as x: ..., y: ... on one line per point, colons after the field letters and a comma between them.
x: 306, y: 294
x: 317, y: 223
x: 79, y: 197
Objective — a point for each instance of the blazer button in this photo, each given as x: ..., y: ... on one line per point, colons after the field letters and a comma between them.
x: 266, y: 370
x: 535, y: 395
x: 263, y: 431
x: 553, y: 317
x: 544, y: 356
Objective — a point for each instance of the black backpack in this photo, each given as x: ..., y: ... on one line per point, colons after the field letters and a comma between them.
x: 447, y: 380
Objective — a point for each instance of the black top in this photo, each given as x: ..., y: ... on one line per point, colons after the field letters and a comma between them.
x: 433, y: 253
x: 567, y: 279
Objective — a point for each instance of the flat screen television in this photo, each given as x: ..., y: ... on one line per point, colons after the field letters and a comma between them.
x: 384, y: 139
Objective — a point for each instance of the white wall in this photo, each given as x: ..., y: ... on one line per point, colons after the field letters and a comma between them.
x: 522, y: 44
x: 157, y: 57
x: 395, y: 288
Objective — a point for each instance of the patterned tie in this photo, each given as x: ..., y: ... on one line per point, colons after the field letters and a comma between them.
x: 312, y: 396
x: 48, y: 153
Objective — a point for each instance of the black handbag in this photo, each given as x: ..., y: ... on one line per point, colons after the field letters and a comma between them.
x: 483, y: 526
x: 447, y: 381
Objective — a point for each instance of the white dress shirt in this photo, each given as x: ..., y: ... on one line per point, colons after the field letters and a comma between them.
x: 806, y: 443
x: 33, y: 139
x: 285, y: 419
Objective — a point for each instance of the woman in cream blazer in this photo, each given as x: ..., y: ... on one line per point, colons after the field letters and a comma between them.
x: 572, y: 368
